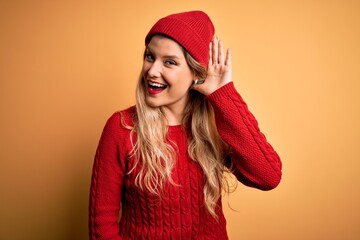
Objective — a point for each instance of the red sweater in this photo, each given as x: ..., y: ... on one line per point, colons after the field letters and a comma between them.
x: 180, y: 213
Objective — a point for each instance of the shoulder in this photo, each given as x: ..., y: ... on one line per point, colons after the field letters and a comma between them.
x: 127, y: 116
x: 120, y: 122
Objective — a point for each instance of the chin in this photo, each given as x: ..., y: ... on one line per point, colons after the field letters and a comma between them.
x: 152, y: 104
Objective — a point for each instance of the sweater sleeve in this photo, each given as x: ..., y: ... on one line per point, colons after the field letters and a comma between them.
x: 106, y: 184
x: 255, y: 162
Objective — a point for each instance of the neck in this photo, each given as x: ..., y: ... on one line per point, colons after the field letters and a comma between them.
x: 173, y: 116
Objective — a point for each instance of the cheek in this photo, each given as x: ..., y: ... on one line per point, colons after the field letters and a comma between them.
x: 188, y: 78
x: 183, y: 84
x: 145, y: 68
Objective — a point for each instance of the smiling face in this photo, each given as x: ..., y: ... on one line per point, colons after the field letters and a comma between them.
x: 167, y: 75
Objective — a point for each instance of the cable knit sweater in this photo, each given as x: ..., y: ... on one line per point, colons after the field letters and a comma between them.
x: 180, y: 212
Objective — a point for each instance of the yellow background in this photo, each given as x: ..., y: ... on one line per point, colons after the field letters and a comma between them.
x: 66, y: 66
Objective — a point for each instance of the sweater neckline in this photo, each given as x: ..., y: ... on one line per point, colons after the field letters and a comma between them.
x: 175, y: 128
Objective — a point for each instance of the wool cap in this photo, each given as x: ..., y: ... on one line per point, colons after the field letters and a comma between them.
x: 193, y: 30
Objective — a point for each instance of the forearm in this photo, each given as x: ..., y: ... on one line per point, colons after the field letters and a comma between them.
x: 106, y: 185
x: 256, y: 162
x: 103, y: 207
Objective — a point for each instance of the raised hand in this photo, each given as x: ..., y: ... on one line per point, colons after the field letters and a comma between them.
x: 219, y: 69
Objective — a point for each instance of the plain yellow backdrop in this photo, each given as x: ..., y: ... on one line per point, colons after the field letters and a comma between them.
x: 66, y: 66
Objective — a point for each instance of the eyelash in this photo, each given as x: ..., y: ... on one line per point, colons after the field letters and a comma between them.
x: 170, y: 62
x: 150, y: 57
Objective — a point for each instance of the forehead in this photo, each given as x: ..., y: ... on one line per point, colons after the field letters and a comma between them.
x: 165, y: 46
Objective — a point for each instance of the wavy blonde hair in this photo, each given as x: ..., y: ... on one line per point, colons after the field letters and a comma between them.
x: 204, y: 146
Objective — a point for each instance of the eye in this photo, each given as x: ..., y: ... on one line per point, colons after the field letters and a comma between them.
x: 149, y: 57
x: 170, y: 62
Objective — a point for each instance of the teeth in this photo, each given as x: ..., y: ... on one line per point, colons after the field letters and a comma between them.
x: 154, y: 84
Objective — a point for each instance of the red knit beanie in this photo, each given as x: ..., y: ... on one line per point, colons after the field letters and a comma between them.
x: 193, y: 30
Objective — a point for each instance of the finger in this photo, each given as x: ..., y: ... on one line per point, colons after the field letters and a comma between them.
x: 210, y: 54
x: 221, y: 53
x: 228, y: 58
x: 215, y: 50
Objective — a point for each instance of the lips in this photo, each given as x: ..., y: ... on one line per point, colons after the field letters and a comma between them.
x: 155, y: 87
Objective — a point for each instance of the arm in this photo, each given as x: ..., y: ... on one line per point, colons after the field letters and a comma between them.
x: 255, y: 161
x: 106, y: 184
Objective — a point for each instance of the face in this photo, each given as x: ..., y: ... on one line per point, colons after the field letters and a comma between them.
x: 166, y: 74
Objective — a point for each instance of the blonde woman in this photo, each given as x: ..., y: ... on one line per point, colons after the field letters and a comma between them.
x: 162, y: 162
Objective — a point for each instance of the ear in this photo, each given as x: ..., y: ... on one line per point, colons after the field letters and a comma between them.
x: 197, y: 81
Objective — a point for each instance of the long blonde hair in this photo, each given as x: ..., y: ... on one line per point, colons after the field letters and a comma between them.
x: 204, y: 146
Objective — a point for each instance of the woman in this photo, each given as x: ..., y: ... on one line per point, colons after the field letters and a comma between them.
x: 163, y: 161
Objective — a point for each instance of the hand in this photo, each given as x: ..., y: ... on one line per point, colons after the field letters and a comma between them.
x: 219, y: 71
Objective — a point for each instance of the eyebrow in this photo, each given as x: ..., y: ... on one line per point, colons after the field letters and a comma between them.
x: 171, y: 56
x: 166, y: 56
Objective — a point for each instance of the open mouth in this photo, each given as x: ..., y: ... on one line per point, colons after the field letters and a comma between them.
x: 155, y: 87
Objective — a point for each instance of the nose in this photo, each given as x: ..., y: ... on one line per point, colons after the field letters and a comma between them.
x: 154, y: 69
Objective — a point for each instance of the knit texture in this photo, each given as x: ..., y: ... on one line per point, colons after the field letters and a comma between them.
x: 193, y: 30
x: 180, y: 212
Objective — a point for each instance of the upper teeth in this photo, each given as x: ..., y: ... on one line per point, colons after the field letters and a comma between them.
x: 154, y: 84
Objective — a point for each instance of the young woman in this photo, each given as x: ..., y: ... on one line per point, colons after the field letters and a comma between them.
x: 163, y: 161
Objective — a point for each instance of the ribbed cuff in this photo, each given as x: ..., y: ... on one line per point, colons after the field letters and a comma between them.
x: 223, y: 92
